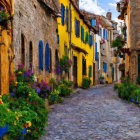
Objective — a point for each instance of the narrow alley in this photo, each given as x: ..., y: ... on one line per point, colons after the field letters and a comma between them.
x: 94, y: 114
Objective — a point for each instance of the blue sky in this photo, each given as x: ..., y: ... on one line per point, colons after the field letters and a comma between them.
x: 102, y: 7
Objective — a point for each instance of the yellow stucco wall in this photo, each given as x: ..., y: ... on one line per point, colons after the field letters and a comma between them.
x: 64, y: 39
x: 5, y: 54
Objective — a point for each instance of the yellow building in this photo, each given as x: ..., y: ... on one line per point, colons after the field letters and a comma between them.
x: 6, y: 53
x: 76, y: 41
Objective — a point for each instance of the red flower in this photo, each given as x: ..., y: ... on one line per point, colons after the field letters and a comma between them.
x: 36, y: 129
x: 25, y: 125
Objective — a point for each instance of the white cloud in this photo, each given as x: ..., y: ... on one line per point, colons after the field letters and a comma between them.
x: 91, y: 6
x: 112, y: 4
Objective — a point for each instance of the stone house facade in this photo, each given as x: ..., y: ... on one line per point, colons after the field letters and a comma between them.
x: 129, y: 12
x: 107, y: 28
x: 35, y: 27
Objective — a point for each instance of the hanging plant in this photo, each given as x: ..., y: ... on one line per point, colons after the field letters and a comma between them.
x: 4, y: 17
x: 65, y: 64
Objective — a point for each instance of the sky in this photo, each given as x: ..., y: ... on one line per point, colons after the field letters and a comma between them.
x: 100, y: 7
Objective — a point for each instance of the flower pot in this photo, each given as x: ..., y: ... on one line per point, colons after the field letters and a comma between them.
x: 3, y: 130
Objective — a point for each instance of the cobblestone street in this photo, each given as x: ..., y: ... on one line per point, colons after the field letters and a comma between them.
x: 94, y: 114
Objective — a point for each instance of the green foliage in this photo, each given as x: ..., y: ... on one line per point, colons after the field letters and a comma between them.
x: 128, y: 91
x: 4, y: 15
x: 117, y: 43
x: 22, y: 111
x: 54, y: 97
x: 138, y: 80
x: 86, y: 83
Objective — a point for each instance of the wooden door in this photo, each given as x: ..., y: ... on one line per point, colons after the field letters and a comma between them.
x: 75, y: 71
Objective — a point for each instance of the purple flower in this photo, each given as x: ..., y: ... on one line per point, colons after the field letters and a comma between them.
x: 48, y: 88
x: 12, y: 94
x: 38, y: 90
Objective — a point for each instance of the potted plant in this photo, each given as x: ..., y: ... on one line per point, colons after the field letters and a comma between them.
x: 102, y: 79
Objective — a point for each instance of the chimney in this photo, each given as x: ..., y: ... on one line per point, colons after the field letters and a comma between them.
x: 109, y: 15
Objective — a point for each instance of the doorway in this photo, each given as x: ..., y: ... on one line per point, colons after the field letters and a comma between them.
x: 139, y: 64
x: 75, y: 71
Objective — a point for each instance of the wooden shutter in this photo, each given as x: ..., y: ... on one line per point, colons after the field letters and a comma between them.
x: 90, y: 71
x: 67, y: 17
x: 62, y: 13
x: 40, y: 55
x: 47, y: 57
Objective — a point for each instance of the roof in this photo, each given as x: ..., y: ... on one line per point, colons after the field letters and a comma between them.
x: 100, y: 19
x: 53, y: 5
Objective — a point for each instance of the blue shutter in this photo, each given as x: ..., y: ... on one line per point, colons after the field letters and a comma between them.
x: 62, y: 13
x: 93, y: 22
x: 47, y: 58
x: 77, y: 28
x: 67, y: 12
x: 104, y: 33
x: 96, y: 53
x: 40, y: 50
x: 105, y: 67
x: 91, y: 40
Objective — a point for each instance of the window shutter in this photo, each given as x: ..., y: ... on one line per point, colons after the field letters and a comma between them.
x: 93, y: 22
x: 90, y: 71
x: 47, y: 57
x: 67, y: 18
x: 104, y: 33
x: 91, y: 40
x: 82, y: 33
x: 62, y: 13
x: 40, y: 55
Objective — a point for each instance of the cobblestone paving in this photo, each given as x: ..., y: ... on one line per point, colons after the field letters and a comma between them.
x: 94, y: 114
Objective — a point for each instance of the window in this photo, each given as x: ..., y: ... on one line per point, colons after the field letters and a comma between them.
x: 50, y: 52
x: 77, y: 27
x: 90, y: 71
x: 65, y: 50
x: 93, y: 22
x: 57, y: 39
x: 62, y: 13
x: 47, y: 57
x: 105, y: 67
x: 104, y: 33
x: 84, y: 66
x: 56, y: 57
x: 96, y: 53
x: 100, y: 31
x: 30, y: 55
x: 40, y: 51
x: 91, y: 40
x: 87, y: 37
x: 22, y: 49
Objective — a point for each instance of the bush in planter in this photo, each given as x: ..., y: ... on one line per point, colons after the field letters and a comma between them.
x: 64, y: 90
x: 42, y: 88
x: 54, y: 97
x: 86, y: 82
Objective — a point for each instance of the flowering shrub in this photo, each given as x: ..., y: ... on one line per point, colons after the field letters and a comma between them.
x: 86, y: 82
x: 65, y: 64
x: 24, y: 75
x: 26, y: 117
x: 54, y: 97
x: 42, y: 88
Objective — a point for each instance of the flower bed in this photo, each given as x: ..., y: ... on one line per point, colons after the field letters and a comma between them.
x: 23, y: 111
x: 128, y: 91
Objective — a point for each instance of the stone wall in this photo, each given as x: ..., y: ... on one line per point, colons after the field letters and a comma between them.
x: 134, y: 28
x: 32, y: 21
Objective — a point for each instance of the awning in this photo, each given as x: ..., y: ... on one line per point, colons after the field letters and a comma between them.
x: 73, y: 46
